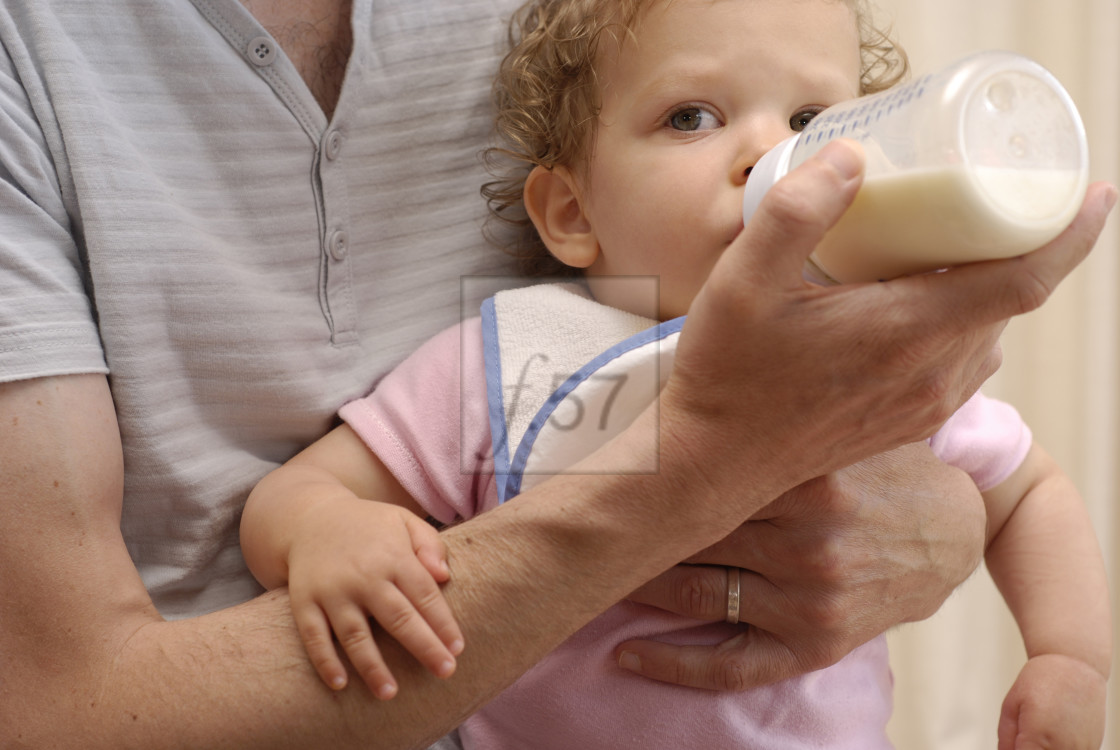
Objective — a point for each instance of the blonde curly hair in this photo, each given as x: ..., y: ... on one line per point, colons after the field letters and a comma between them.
x: 546, y: 97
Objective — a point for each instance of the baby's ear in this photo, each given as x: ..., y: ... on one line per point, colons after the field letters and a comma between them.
x: 552, y: 200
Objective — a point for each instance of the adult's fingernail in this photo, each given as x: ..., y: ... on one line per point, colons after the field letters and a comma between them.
x: 845, y: 156
x: 629, y: 660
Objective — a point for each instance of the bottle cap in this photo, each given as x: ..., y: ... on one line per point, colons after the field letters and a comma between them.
x: 770, y: 168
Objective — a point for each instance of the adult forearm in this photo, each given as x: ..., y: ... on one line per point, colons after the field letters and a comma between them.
x: 90, y: 664
x: 239, y: 678
x: 530, y: 573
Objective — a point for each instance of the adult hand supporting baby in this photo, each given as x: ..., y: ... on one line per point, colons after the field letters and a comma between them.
x: 824, y: 378
x: 829, y: 565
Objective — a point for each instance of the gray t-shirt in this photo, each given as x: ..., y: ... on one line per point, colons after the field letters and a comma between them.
x: 176, y: 211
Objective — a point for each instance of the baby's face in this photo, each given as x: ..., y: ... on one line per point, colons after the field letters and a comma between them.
x: 690, y: 102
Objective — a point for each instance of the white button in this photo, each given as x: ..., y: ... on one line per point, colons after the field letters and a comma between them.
x: 333, y: 145
x: 337, y: 244
x: 261, y: 51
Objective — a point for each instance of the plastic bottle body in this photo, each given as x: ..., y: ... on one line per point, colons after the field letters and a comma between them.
x: 985, y: 159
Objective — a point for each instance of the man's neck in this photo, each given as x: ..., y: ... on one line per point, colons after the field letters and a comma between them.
x: 316, y: 36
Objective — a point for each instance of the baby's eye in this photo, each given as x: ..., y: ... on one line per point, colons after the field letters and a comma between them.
x: 691, y: 119
x: 801, y: 120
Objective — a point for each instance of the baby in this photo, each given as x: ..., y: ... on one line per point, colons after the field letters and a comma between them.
x: 633, y: 126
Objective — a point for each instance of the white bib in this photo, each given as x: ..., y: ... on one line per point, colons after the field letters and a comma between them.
x: 564, y: 375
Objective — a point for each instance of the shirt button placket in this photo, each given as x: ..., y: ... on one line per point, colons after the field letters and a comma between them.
x: 338, y: 244
x: 332, y: 144
x: 261, y: 51
x: 340, y: 297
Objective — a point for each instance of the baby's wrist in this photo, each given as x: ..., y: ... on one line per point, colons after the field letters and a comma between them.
x: 1072, y: 661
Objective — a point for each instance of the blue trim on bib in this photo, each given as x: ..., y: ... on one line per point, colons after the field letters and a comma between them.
x: 499, y: 440
x: 511, y: 486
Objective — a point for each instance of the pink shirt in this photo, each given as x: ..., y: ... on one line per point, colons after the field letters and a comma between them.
x: 427, y: 420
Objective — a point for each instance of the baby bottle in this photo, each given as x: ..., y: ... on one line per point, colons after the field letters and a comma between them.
x: 985, y: 159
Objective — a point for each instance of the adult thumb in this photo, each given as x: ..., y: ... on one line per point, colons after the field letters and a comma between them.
x: 797, y: 211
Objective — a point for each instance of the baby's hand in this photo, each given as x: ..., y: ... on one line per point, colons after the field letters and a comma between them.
x: 1057, y: 703
x: 354, y: 559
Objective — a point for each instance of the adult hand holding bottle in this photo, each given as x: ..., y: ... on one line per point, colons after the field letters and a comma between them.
x: 830, y: 375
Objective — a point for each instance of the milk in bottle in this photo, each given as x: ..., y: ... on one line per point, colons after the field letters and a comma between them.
x: 985, y: 159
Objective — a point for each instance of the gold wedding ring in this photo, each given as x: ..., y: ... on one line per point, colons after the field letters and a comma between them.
x: 733, y: 595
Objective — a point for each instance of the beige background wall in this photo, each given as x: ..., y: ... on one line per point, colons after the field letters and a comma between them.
x: 1061, y: 366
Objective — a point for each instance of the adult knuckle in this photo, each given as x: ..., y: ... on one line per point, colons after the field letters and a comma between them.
x: 942, y: 384
x: 828, y: 561
x: 992, y: 361
x: 827, y: 613
x: 699, y: 594
x: 1031, y: 289
x: 924, y: 608
x: 932, y: 399
x: 733, y: 674
x: 677, y: 673
x: 791, y: 206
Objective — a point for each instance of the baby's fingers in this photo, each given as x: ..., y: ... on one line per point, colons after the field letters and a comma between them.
x: 315, y: 632
x: 417, y: 615
x: 351, y: 627
x: 428, y: 546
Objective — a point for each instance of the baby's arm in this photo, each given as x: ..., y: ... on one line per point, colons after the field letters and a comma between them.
x: 1044, y: 556
x: 345, y: 558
